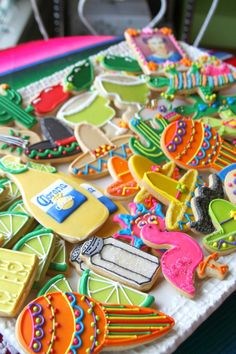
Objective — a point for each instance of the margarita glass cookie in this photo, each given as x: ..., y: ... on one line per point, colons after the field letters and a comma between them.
x: 200, y: 204
x: 60, y: 144
x: 118, y: 261
x: 228, y: 177
x: 56, y: 201
x: 48, y: 100
x: 181, y: 259
x: 194, y: 145
x: 223, y: 240
x: 124, y: 187
x: 132, y: 224
x: 154, y: 48
x: 97, y: 150
x: 11, y: 109
x: 90, y: 327
x: 191, y: 82
x: 14, y: 141
x: 17, y: 274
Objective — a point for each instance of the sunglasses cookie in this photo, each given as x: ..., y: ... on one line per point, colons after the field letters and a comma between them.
x: 89, y: 327
x: 108, y: 257
x: 133, y: 223
x: 60, y: 144
x: 228, y: 177
x: 180, y: 261
x: 11, y: 109
x: 194, y: 145
x: 192, y: 81
x: 48, y: 100
x: 97, y: 148
x: 154, y: 48
x: 200, y: 204
x: 223, y: 240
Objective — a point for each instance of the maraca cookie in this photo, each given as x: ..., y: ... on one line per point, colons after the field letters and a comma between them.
x: 73, y: 323
x: 194, y: 145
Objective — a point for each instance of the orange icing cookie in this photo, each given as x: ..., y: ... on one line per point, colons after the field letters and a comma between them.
x: 73, y: 323
x: 125, y: 185
x: 209, y: 267
x: 192, y: 144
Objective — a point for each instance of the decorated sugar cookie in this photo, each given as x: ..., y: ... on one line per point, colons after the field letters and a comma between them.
x: 152, y: 148
x: 13, y: 193
x: 60, y: 144
x: 11, y: 110
x: 124, y: 186
x: 133, y: 223
x: 58, y: 262
x: 118, y: 261
x: 176, y: 194
x: 197, y: 108
x: 14, y: 141
x: 89, y: 326
x: 124, y: 90
x: 138, y: 166
x: 49, y: 100
x: 57, y: 283
x: 200, y: 204
x: 56, y: 201
x: 97, y: 150
x: 118, y: 63
x: 108, y: 291
x: 193, y: 81
x: 80, y: 78
x: 228, y: 177
x: 89, y: 107
x: 154, y: 48
x: 180, y: 261
x: 13, y: 226
x: 17, y: 273
x: 209, y: 267
x: 223, y: 240
x: 225, y: 127
x: 41, y: 243
x: 192, y: 144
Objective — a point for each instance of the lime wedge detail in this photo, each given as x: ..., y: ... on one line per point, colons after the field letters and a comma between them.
x: 111, y: 292
x: 12, y: 226
x: 57, y: 283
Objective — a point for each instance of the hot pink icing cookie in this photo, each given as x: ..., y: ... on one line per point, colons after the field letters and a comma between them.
x: 180, y: 261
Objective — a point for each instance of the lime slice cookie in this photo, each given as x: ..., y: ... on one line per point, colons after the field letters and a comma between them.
x: 59, y: 258
x: 19, y: 207
x: 111, y: 292
x: 13, y: 226
x: 11, y: 163
x: 41, y: 167
x: 57, y: 283
x: 12, y: 195
x: 41, y: 243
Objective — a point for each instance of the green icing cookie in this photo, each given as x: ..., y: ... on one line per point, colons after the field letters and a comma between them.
x: 19, y: 207
x: 117, y: 63
x: 59, y: 258
x: 89, y: 107
x: 111, y: 292
x: 41, y: 243
x: 57, y: 283
x: 223, y: 215
x: 12, y: 195
x: 12, y: 226
x: 80, y: 78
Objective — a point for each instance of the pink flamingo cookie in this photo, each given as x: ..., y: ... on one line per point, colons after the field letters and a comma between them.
x: 180, y: 261
x: 133, y: 223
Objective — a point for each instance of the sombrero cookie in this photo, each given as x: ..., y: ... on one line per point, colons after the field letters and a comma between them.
x: 73, y: 323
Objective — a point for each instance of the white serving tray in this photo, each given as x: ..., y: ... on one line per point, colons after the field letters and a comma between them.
x: 188, y: 314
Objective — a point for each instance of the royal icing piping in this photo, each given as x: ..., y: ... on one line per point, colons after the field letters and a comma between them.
x: 210, y: 268
x: 118, y: 63
x: 80, y: 77
x: 180, y: 261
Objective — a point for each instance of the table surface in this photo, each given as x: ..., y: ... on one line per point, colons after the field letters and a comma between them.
x: 217, y: 334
